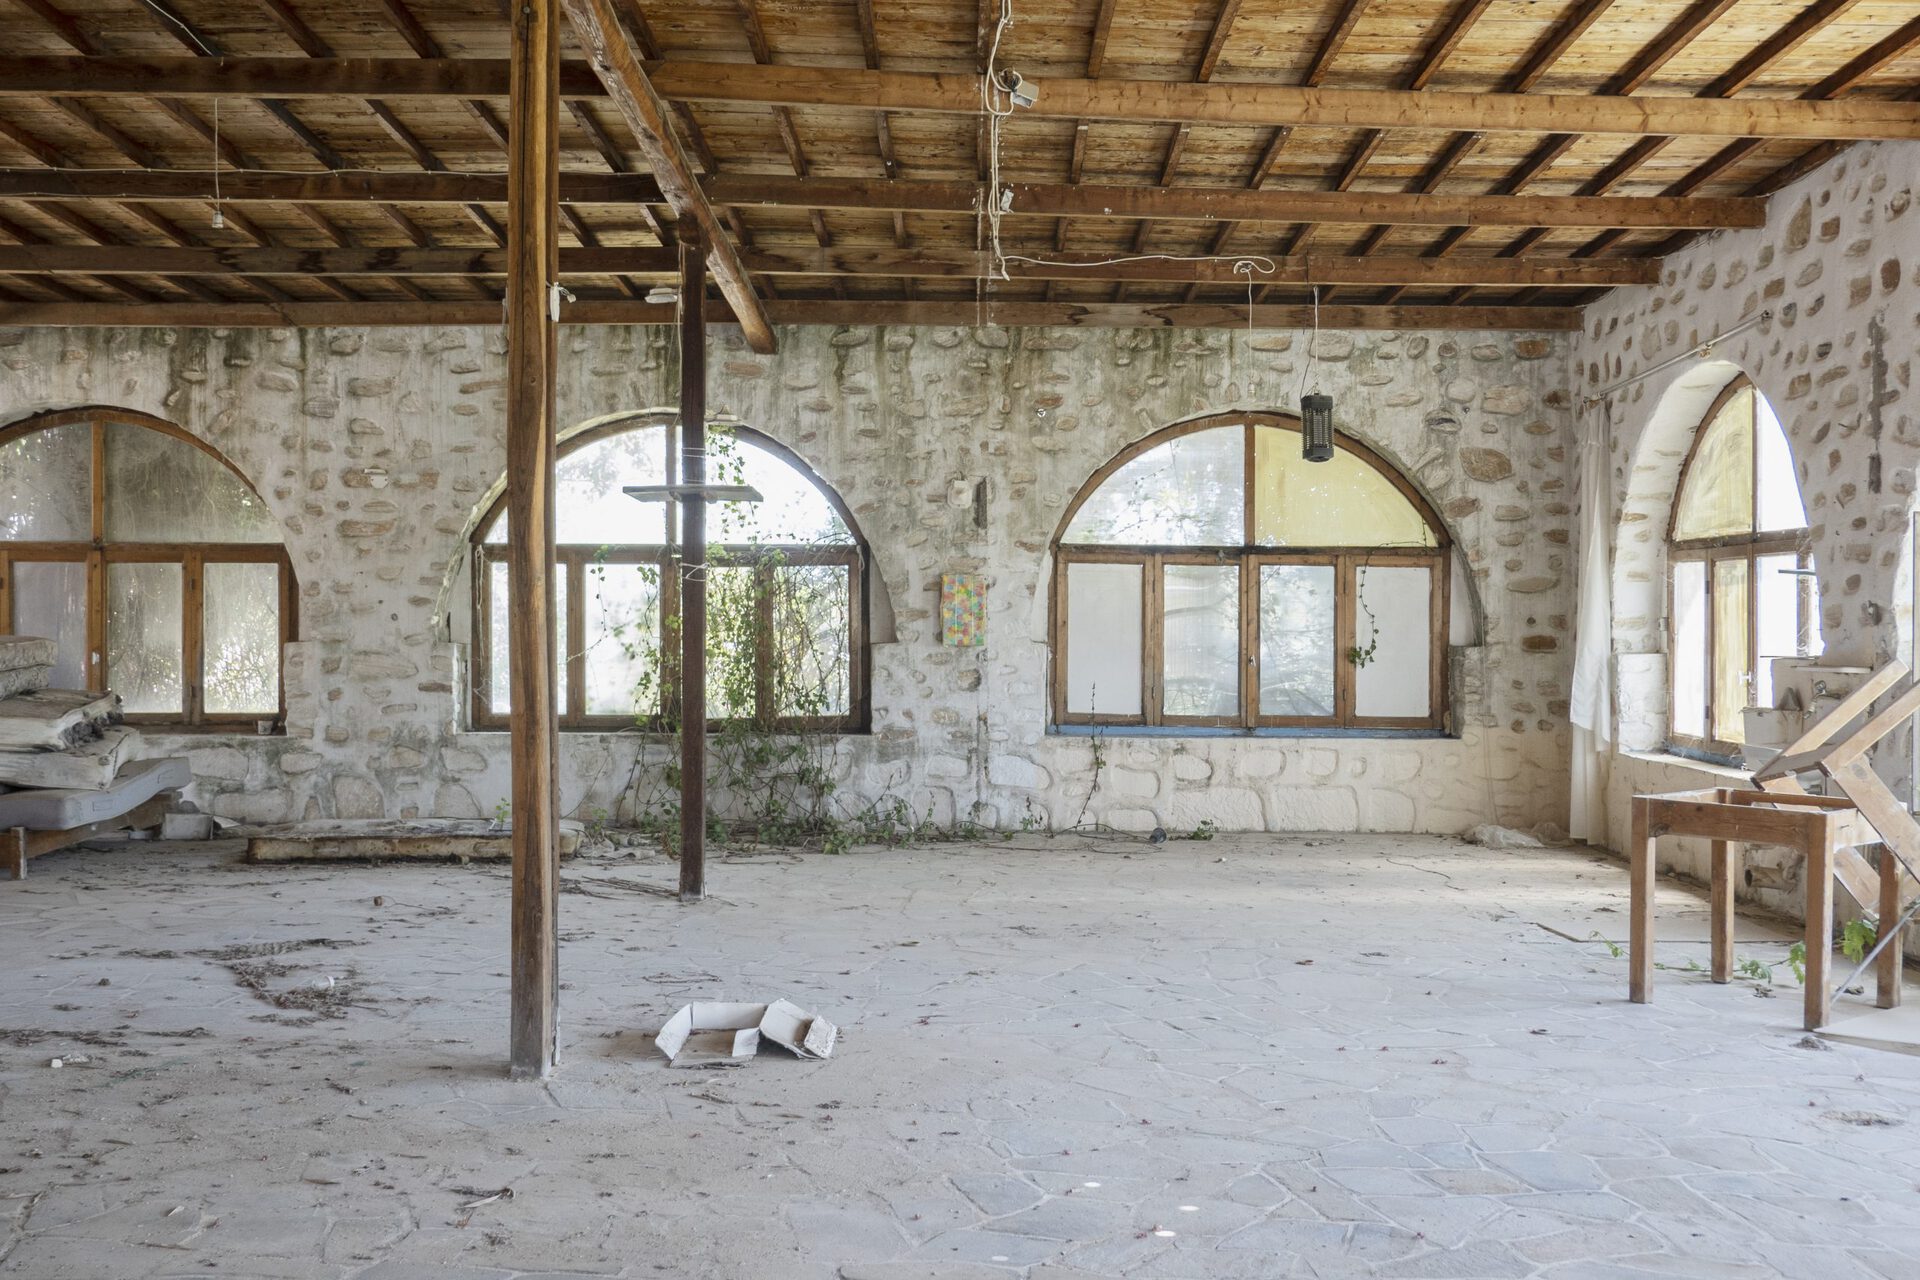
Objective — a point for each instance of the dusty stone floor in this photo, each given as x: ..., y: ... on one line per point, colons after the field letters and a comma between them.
x: 1257, y: 1056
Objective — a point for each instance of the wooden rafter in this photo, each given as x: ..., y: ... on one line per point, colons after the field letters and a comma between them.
x: 922, y: 263
x: 598, y: 29
x: 277, y: 80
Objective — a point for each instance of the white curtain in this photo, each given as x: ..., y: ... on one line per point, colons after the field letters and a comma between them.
x: 1592, y: 696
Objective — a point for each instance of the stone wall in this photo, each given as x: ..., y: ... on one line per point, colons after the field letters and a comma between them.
x: 1838, y: 264
x: 377, y: 449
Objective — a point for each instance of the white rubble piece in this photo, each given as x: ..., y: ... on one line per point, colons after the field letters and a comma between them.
x: 87, y: 766
x: 55, y: 719
x: 720, y: 1034
x: 21, y: 652
x: 187, y: 826
x: 1489, y: 836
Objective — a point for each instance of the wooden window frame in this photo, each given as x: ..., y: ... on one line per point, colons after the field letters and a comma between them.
x: 1250, y: 557
x: 1750, y: 546
x: 575, y: 561
x: 99, y: 552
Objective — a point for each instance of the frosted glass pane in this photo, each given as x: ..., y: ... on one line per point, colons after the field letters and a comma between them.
x: 1393, y: 608
x: 1201, y: 638
x: 623, y: 639
x: 144, y: 660
x: 1343, y: 502
x: 1779, y: 505
x: 46, y: 486
x: 733, y: 634
x: 1777, y: 586
x: 161, y: 489
x: 1690, y: 648
x: 590, y: 510
x: 1718, y: 498
x: 1187, y: 492
x: 50, y: 600
x: 499, y: 683
x: 242, y: 638
x: 1103, y: 638
x: 1730, y: 650
x: 792, y: 508
x: 1296, y: 639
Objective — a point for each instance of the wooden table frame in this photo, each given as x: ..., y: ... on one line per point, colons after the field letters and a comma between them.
x: 20, y: 844
x: 1817, y: 827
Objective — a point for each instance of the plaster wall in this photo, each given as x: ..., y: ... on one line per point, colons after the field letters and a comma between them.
x: 1838, y: 265
x: 377, y: 449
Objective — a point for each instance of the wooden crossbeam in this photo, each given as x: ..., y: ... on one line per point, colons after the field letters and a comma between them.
x: 863, y: 89
x: 618, y: 67
x: 797, y: 311
x: 1028, y: 199
x: 927, y: 263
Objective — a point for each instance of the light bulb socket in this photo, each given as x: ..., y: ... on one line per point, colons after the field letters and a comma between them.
x: 1316, y: 427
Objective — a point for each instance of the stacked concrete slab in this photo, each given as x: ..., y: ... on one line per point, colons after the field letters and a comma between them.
x: 58, y: 741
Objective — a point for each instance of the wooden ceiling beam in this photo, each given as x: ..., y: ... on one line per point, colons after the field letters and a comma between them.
x: 188, y: 260
x: 275, y: 81
x: 598, y: 29
x: 1027, y: 199
x: 795, y: 312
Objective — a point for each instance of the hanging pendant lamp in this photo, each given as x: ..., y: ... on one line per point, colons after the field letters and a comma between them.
x: 1316, y: 410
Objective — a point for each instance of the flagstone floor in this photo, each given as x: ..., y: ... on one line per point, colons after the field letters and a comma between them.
x: 1251, y: 1057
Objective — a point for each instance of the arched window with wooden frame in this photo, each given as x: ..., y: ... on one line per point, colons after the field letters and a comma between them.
x: 786, y: 588
x: 151, y: 563
x: 1741, y: 588
x: 1210, y: 577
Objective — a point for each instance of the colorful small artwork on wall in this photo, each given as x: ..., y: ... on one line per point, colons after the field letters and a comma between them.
x: 963, y: 610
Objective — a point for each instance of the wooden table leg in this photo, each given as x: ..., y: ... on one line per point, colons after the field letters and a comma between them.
x: 1640, y: 879
x: 17, y: 853
x: 1725, y: 855
x: 1887, y: 969
x: 1819, y: 928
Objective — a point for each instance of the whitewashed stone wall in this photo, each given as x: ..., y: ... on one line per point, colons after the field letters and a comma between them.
x: 1838, y: 264
x: 377, y: 448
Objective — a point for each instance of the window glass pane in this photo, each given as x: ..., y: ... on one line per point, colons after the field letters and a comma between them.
x: 1690, y: 648
x: 161, y: 489
x: 1393, y: 616
x: 1730, y: 650
x: 241, y: 631
x: 499, y: 681
x: 1343, y: 502
x: 810, y: 615
x: 792, y: 508
x: 1187, y: 492
x: 1718, y: 498
x: 623, y: 639
x: 1296, y: 639
x: 733, y: 636
x: 1103, y: 638
x: 50, y: 600
x: 1779, y: 505
x: 1201, y: 635
x: 46, y: 486
x: 589, y: 509
x: 144, y: 662
x: 1776, y: 615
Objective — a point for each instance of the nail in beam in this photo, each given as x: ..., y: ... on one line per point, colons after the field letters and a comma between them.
x: 693, y: 564
x: 533, y: 244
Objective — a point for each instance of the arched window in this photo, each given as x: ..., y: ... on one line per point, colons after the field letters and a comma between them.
x: 150, y: 562
x: 1210, y: 576
x: 786, y: 589
x: 1742, y: 591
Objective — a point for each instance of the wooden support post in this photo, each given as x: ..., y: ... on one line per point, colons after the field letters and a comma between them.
x: 1726, y: 857
x: 1640, y: 870
x: 533, y: 181
x: 1820, y: 851
x: 693, y: 565
x: 1887, y: 970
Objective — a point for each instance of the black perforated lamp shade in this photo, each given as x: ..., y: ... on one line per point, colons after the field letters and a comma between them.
x: 1316, y: 427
